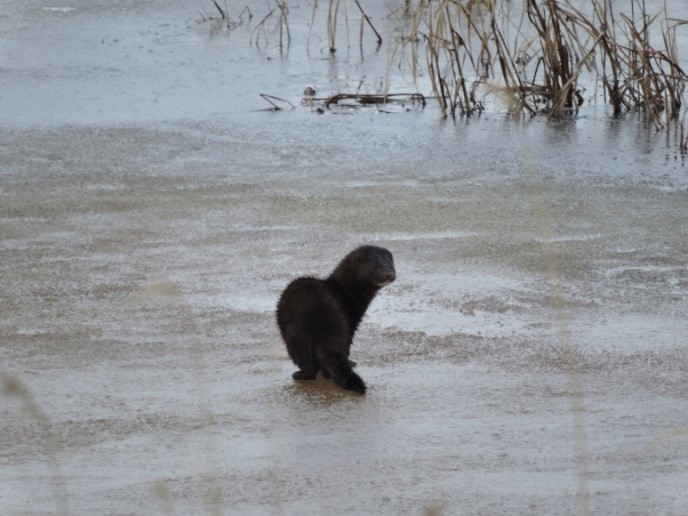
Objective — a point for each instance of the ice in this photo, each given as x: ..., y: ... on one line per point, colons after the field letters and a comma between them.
x: 530, y: 355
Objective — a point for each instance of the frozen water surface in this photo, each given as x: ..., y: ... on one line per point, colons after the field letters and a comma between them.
x: 530, y: 358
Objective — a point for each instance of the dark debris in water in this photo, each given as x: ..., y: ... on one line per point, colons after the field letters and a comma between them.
x: 343, y: 102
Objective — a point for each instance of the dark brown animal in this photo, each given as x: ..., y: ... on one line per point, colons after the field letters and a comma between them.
x: 319, y: 317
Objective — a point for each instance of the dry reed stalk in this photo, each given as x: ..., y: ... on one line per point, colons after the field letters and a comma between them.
x: 370, y: 23
x: 332, y: 15
x: 271, y: 100
x: 222, y: 12
x: 283, y: 25
x: 683, y: 134
x: 310, y: 28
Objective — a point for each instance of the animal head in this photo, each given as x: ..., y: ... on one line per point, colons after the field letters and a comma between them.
x: 373, y: 265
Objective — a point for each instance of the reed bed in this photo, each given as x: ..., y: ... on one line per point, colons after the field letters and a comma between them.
x: 534, y: 56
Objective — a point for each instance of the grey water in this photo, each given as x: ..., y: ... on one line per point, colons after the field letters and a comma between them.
x: 530, y: 358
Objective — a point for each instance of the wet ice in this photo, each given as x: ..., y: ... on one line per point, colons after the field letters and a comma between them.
x: 132, y: 157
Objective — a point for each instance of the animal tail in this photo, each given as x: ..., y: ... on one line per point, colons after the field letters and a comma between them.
x: 339, y: 368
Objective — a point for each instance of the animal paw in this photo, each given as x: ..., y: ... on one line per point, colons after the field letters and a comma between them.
x: 303, y: 375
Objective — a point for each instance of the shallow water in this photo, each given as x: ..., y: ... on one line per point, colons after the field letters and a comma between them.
x: 530, y: 357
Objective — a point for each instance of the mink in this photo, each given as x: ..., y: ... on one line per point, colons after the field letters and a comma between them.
x: 319, y: 317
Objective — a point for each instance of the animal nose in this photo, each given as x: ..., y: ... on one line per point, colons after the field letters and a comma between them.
x: 390, y: 276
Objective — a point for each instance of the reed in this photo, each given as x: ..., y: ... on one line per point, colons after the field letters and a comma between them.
x: 470, y: 46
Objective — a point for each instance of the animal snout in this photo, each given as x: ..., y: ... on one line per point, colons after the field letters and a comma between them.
x: 386, y: 278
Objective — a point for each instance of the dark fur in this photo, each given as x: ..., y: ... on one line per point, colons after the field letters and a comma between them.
x: 318, y: 317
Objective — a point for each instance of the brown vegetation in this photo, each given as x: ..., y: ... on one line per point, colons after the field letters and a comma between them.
x: 535, y: 55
